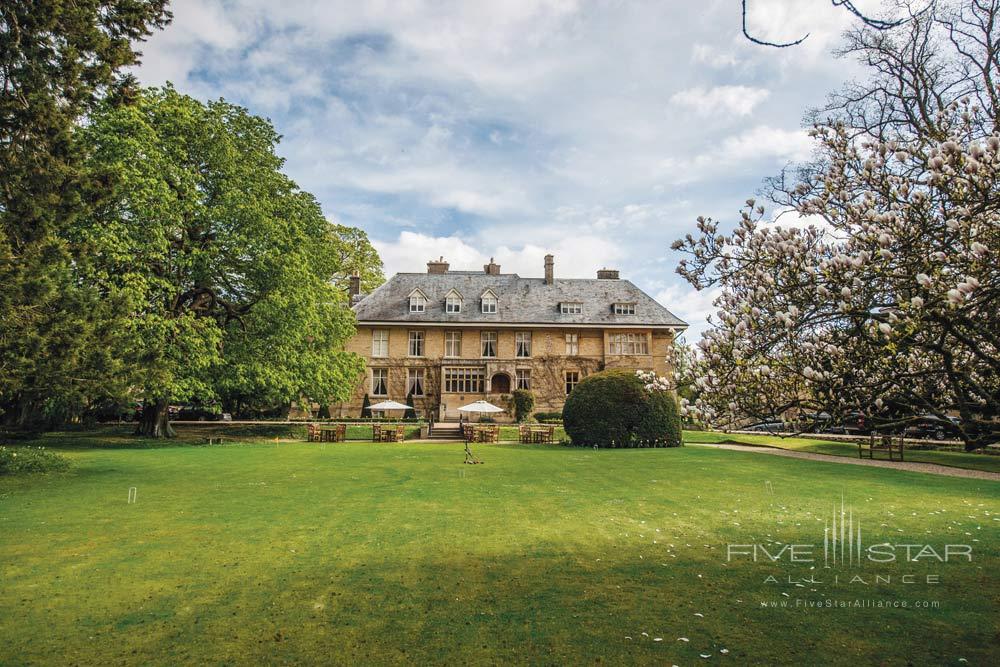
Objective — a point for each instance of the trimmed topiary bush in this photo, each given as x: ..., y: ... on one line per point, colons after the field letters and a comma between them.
x: 618, y: 408
x: 548, y: 417
x: 523, y: 401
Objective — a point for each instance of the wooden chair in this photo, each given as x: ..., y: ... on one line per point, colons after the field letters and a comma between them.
x: 340, y: 433
x: 468, y: 431
x: 393, y: 433
x: 376, y: 432
x: 881, y: 442
x: 313, y: 433
x: 524, y: 434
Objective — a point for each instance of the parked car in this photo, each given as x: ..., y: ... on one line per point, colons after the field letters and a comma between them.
x: 200, y: 413
x: 932, y: 427
x: 767, y: 427
x: 853, y: 423
x: 172, y: 411
x: 813, y: 422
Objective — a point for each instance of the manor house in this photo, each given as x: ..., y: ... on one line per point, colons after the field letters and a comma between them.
x: 447, y: 338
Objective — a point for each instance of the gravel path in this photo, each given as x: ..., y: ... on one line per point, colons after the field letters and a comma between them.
x: 912, y: 466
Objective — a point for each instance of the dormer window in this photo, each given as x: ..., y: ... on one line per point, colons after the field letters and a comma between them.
x: 489, y: 300
x: 570, y: 307
x: 418, y: 302
x: 624, y: 309
x: 453, y: 302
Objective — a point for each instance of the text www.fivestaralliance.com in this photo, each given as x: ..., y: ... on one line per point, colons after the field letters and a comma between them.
x: 849, y: 603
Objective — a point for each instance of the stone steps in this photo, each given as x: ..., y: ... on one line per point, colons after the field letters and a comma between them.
x: 445, y: 431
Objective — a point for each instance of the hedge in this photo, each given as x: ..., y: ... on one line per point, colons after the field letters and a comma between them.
x: 614, y: 409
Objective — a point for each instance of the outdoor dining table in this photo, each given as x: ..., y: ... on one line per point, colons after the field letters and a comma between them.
x: 387, y: 432
x: 484, y: 433
x: 542, y: 434
x: 336, y: 434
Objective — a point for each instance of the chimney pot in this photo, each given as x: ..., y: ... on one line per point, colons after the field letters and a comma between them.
x: 354, y: 287
x: 549, y: 270
x: 492, y: 269
x: 607, y: 274
x: 437, y: 266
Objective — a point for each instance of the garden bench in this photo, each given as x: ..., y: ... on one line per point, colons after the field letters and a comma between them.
x: 884, y: 442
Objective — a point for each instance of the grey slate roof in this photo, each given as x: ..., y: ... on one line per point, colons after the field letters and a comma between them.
x: 520, y: 300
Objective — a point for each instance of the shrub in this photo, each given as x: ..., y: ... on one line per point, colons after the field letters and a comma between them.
x: 615, y: 409
x: 366, y: 408
x: 16, y: 460
x: 548, y: 417
x: 524, y: 401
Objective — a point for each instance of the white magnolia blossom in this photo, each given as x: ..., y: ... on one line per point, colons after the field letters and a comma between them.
x: 893, y: 306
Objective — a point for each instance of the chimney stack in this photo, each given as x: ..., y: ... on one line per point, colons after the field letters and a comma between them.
x: 492, y: 269
x: 549, y: 273
x: 354, y: 288
x: 607, y: 274
x: 439, y: 266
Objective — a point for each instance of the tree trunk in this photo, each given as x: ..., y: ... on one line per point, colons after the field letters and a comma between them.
x: 155, y: 421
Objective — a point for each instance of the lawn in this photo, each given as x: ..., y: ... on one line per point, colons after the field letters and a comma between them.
x: 399, y: 553
x: 974, y: 461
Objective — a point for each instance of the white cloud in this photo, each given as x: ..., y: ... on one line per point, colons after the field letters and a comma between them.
x: 763, y: 141
x: 727, y: 100
x: 512, y: 129
x: 576, y: 257
x: 712, y: 56
x: 691, y: 305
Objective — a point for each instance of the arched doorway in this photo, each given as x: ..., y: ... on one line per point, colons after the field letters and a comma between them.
x: 500, y: 384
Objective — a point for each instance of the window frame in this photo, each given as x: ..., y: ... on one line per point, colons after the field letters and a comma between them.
x: 383, y: 374
x: 483, y: 342
x: 415, y: 335
x: 572, y: 346
x: 522, y: 339
x: 418, y: 303
x: 380, y: 337
x: 624, y: 308
x: 453, y: 340
x: 493, y: 301
x: 628, y: 344
x: 567, y: 382
x: 416, y: 377
x: 522, y: 378
x: 453, y: 303
x: 463, y: 380
x: 571, y: 308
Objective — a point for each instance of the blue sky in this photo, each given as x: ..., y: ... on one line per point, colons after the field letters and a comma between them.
x: 597, y: 131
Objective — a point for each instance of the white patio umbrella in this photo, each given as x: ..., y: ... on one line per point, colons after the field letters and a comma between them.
x: 389, y: 405
x: 480, y: 406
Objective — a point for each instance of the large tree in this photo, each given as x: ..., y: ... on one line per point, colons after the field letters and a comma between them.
x: 57, y: 59
x: 890, y: 305
x: 226, y: 267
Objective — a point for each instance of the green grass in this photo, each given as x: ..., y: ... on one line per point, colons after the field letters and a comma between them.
x: 374, y: 554
x: 972, y: 461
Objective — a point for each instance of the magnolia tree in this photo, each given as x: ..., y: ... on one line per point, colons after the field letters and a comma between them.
x: 889, y: 305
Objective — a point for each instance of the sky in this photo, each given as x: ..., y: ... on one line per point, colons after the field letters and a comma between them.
x: 595, y: 131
